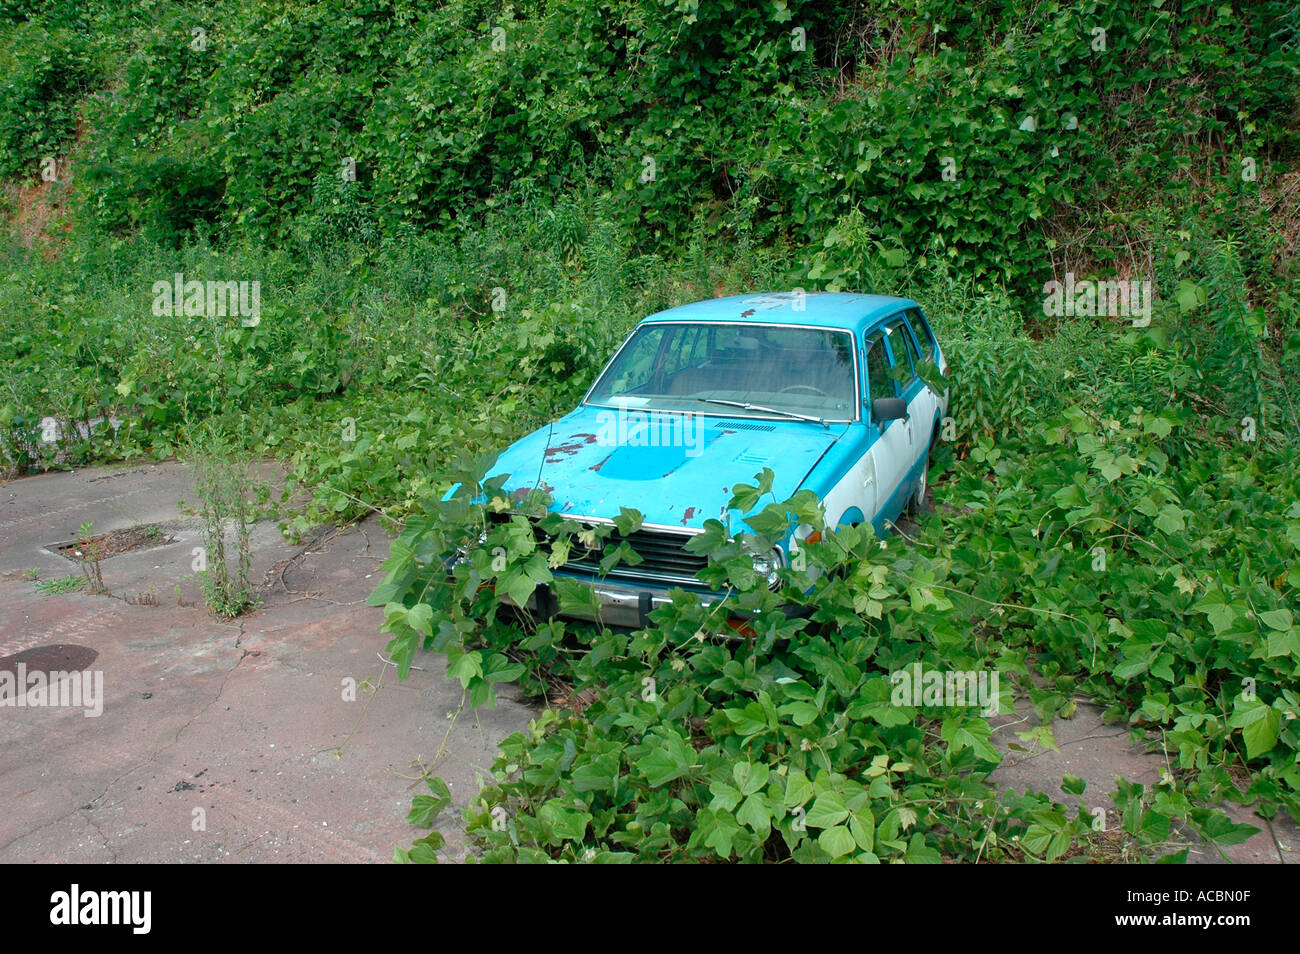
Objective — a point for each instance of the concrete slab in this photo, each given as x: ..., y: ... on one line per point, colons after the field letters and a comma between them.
x: 219, y: 740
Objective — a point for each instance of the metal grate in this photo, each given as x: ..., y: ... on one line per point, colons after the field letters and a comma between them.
x: 663, y: 553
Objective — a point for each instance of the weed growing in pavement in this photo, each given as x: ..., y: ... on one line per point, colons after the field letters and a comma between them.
x: 89, y: 551
x: 63, y: 584
x: 227, y: 500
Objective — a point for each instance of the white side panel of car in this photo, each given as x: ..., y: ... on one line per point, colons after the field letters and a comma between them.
x: 893, y: 453
x: 859, y: 487
x: 921, y: 412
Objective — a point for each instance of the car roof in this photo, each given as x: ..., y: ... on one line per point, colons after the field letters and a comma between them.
x: 847, y: 310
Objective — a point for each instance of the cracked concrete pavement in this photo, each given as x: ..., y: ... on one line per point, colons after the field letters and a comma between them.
x: 219, y: 740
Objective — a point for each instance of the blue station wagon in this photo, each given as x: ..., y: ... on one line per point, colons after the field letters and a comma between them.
x: 822, y: 388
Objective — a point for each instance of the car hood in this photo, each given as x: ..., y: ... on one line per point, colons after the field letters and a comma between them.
x: 678, y: 471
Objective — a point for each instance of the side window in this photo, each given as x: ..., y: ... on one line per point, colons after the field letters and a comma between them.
x: 879, y: 382
x: 921, y: 328
x: 904, y: 352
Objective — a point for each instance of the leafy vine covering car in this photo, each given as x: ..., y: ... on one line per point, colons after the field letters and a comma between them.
x: 827, y: 391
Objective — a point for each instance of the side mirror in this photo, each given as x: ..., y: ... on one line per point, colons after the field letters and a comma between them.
x: 888, y: 409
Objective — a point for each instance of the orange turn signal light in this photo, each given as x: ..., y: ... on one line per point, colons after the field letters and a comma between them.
x: 741, y: 628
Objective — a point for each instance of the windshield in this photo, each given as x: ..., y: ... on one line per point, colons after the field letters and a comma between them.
x: 686, y: 367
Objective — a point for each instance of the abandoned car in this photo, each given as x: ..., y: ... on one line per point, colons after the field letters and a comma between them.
x: 827, y: 390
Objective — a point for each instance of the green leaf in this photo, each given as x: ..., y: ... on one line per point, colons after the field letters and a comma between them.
x: 628, y: 521
x: 919, y: 853
x: 755, y: 814
x: 1259, y: 724
x: 750, y: 777
x: 801, y: 713
x: 424, y: 809
x: 670, y: 757
x: 566, y: 823
x: 1277, y: 619
x: 1073, y: 785
x: 961, y: 732
x: 836, y: 841
x: 464, y: 666
x: 1221, y: 613
x: 713, y: 536
x: 829, y: 809
x: 1284, y: 644
x: 420, y: 618
x: 797, y: 788
x: 1048, y: 843
x: 720, y: 831
x: 517, y: 584
x: 1223, y: 831
x: 1189, y: 295
x: 1170, y: 521
x: 862, y: 825
x: 725, y: 798
x: 424, y: 851
x: 744, y: 498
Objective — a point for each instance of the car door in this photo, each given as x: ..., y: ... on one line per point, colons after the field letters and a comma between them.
x: 924, y: 349
x: 890, y: 452
x: 920, y: 398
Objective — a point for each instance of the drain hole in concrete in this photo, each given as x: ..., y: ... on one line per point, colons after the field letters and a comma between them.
x: 114, y: 543
x: 60, y: 657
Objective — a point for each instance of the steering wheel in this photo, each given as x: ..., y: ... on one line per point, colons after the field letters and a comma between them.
x: 804, y: 387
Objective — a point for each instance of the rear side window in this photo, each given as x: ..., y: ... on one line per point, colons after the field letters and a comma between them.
x: 923, y: 333
x: 900, y: 339
x: 904, y: 353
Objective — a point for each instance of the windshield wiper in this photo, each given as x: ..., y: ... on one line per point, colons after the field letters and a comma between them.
x: 768, y: 410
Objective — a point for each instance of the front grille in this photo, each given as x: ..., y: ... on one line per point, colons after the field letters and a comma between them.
x: 663, y: 553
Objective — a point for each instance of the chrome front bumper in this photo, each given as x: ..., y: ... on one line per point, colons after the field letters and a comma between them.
x: 624, y: 605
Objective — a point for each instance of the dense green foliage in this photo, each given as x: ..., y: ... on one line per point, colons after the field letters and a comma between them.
x: 455, y: 211
x: 776, y: 119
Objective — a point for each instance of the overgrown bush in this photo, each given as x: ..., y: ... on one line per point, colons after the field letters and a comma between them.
x: 47, y: 71
x: 990, y: 137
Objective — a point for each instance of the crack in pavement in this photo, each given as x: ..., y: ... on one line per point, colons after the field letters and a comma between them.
x: 213, y: 701
x: 112, y: 852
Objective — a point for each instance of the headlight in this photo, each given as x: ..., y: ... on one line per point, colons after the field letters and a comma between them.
x: 462, y: 552
x: 766, y: 562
